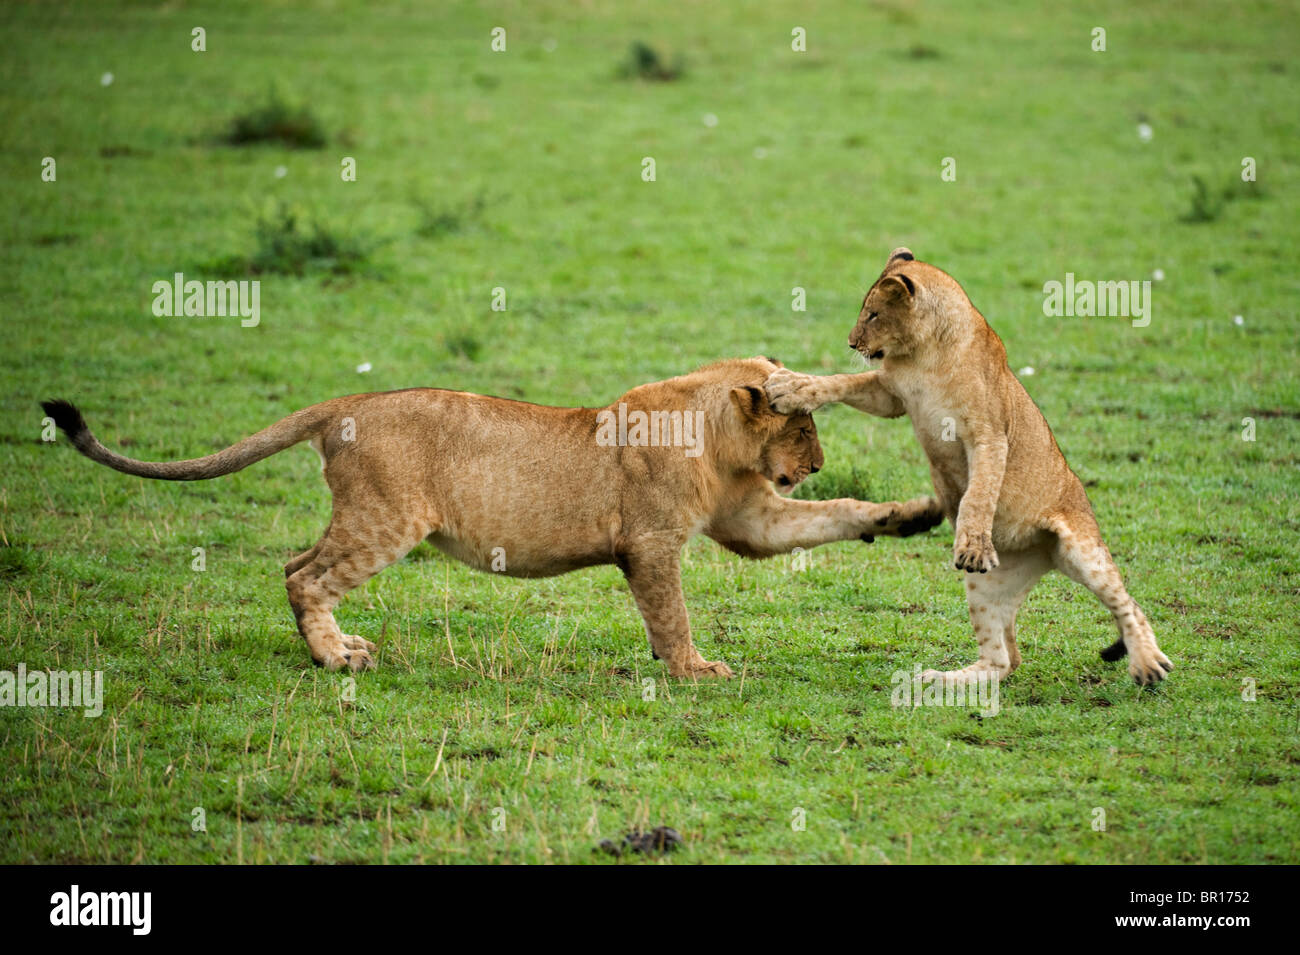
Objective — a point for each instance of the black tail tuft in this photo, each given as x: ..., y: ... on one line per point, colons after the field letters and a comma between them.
x: 1114, y: 652
x: 66, y: 416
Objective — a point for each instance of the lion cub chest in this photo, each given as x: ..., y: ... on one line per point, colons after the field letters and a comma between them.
x: 942, y: 428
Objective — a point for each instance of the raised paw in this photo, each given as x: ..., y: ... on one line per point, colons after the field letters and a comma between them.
x: 791, y: 393
x: 974, y: 553
x: 905, y: 519
x: 920, y: 514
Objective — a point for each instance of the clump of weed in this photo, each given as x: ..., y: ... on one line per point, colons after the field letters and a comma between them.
x: 919, y: 51
x: 286, y: 247
x: 466, y: 346
x: 15, y: 561
x: 1208, y: 204
x: 277, y: 121
x: 438, y: 220
x: 827, y: 486
x: 644, y: 63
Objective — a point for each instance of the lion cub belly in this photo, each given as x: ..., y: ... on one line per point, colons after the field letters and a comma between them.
x: 519, y: 539
x: 514, y: 559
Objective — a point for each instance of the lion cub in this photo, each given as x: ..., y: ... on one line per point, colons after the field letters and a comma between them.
x: 532, y: 491
x: 1017, y: 508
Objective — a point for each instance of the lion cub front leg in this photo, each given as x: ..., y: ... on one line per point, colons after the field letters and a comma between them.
x: 655, y: 579
x: 765, y: 524
x: 792, y: 393
x: 973, y: 541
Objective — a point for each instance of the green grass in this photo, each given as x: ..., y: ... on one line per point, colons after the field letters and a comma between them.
x: 527, y: 696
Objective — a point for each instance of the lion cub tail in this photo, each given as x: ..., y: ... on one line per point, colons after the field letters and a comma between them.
x: 1115, y: 651
x: 285, y: 433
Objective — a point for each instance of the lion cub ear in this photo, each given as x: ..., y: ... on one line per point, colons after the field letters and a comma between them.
x: 900, y: 254
x: 897, y: 288
x: 751, y: 402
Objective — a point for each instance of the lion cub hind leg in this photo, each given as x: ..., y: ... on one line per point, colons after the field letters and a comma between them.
x: 303, y: 559
x: 994, y: 598
x: 1081, y: 555
x: 655, y: 579
x: 343, y: 561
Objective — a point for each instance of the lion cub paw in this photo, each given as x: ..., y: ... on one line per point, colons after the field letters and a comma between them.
x: 974, y: 553
x: 905, y: 519
x: 974, y: 674
x: 345, y: 657
x: 353, y: 642
x: 707, y: 670
x: 791, y: 393
x: 1148, y: 669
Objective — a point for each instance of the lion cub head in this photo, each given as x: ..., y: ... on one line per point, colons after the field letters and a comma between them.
x: 785, y: 446
x: 911, y: 308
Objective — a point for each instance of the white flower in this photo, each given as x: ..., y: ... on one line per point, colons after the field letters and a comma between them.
x: 1144, y: 132
x: 106, y: 79
x: 760, y: 152
x: 710, y: 120
x: 1238, y: 320
x: 1158, y: 275
x: 281, y: 172
x: 1025, y: 372
x: 363, y: 367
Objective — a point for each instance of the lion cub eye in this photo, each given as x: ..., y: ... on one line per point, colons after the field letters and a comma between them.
x: 871, y: 317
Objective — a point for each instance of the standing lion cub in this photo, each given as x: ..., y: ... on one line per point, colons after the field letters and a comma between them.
x: 1017, y: 508
x: 532, y: 491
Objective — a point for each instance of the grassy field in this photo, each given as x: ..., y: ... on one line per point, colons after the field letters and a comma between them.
x: 506, y: 721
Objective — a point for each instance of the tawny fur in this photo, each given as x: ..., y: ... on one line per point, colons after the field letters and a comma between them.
x: 487, y: 479
x: 1016, y: 507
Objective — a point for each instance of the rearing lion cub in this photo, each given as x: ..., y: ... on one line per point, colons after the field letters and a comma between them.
x: 532, y: 491
x: 1017, y: 508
